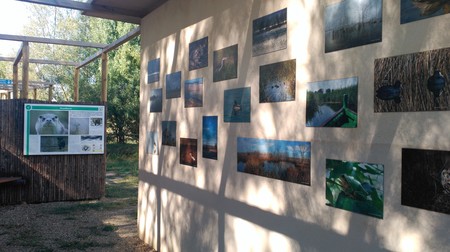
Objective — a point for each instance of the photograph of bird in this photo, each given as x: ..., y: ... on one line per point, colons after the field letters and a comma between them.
x: 428, y: 7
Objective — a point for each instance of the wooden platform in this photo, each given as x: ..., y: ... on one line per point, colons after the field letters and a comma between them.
x: 9, y: 179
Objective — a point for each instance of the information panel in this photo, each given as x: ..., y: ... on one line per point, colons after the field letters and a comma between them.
x: 59, y: 129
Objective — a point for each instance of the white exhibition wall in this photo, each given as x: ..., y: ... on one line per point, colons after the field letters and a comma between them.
x: 213, y: 207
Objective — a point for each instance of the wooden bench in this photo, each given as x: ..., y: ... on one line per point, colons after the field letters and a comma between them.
x: 19, y: 180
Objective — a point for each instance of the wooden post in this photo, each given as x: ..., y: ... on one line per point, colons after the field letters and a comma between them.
x: 75, y: 85
x: 35, y: 93
x: 50, y: 93
x: 104, y: 77
x: 25, y: 64
x: 15, y: 81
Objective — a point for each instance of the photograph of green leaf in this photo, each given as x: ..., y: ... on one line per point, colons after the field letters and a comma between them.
x: 355, y: 187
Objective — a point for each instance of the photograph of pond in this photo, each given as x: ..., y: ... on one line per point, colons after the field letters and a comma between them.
x: 173, y: 85
x: 413, y: 82
x: 169, y: 133
x: 151, y: 145
x: 413, y: 10
x: 225, y: 62
x: 332, y: 103
x: 209, y: 137
x: 236, y: 105
x: 153, y: 71
x: 156, y: 100
x: 193, y: 93
x: 355, y: 186
x: 198, y: 54
x: 277, y: 82
x: 426, y: 179
x: 278, y: 159
x: 188, y: 151
x: 270, y: 33
x: 352, y: 23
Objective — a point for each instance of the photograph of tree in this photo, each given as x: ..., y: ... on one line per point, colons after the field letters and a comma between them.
x: 278, y: 159
x: 193, y: 93
x: 188, y: 151
x: 153, y: 71
x: 156, y: 100
x: 277, y: 82
x: 355, y: 186
x: 198, y: 54
x: 151, y: 145
x: 413, y: 82
x: 209, y: 137
x: 426, y: 179
x: 169, y: 133
x: 173, y: 85
x: 225, y: 63
x: 237, y: 105
x: 413, y: 10
x: 352, y: 23
x: 270, y: 33
x: 332, y: 103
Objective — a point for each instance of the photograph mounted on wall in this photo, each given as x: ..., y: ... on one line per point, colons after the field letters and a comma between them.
x: 209, y: 136
x: 277, y: 82
x: 198, y: 54
x: 413, y: 10
x: 237, y: 105
x: 332, y: 103
x: 278, y: 159
x: 188, y: 151
x: 225, y: 63
x: 151, y: 145
x: 173, y: 85
x: 153, y: 71
x: 270, y: 33
x: 355, y: 186
x: 169, y: 133
x: 413, y: 82
x: 352, y: 23
x: 193, y: 93
x: 426, y: 179
x: 156, y: 100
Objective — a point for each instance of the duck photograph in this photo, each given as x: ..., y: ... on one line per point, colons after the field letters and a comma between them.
x: 277, y: 82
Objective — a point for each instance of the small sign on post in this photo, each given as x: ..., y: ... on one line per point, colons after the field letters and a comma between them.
x: 6, y: 82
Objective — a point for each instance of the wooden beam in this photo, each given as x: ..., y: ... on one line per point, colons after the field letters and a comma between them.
x: 50, y: 93
x: 50, y: 41
x: 42, y: 61
x: 104, y: 77
x: 15, y: 82
x: 35, y: 93
x: 75, y: 85
x: 25, y: 66
x: 18, y: 57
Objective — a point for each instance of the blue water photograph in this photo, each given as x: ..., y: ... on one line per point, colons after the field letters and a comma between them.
x: 270, y: 33
x: 173, y: 85
x: 352, y: 23
x: 151, y: 145
x: 277, y: 82
x: 225, y: 63
x: 188, y: 151
x: 413, y: 10
x: 156, y: 100
x: 153, y: 71
x: 193, y: 93
x: 209, y: 137
x: 198, y: 54
x: 169, y: 133
x: 237, y: 105
x: 278, y: 159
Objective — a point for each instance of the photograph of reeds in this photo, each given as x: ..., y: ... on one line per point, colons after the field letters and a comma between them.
x: 209, y: 137
x: 278, y: 159
x: 188, y: 151
x: 352, y: 23
x: 193, y: 93
x: 355, y: 186
x: 332, y: 103
x: 237, y: 105
x: 277, y: 82
x: 153, y: 71
x: 169, y: 133
x: 413, y: 10
x: 151, y: 145
x: 270, y: 33
x: 156, y: 100
x: 173, y: 85
x: 198, y: 54
x: 413, y: 82
x: 225, y: 63
x: 426, y: 179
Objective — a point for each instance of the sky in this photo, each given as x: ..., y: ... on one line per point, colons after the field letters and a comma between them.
x: 13, y: 17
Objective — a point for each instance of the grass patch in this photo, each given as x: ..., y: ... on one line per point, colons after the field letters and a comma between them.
x: 86, y: 206
x: 27, y: 238
x: 109, y: 228
x: 126, y: 188
x: 78, y: 245
x: 123, y: 159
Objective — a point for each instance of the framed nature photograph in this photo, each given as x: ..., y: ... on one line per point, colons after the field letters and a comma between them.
x: 156, y: 100
x: 225, y: 63
x: 188, y: 151
x: 413, y: 10
x: 198, y: 54
x: 151, y: 145
x: 352, y: 23
x: 332, y: 103
x: 169, y: 133
x: 355, y: 186
x: 237, y: 105
x: 193, y: 93
x: 153, y: 71
x: 173, y: 85
x: 278, y: 159
x: 270, y: 33
x: 209, y: 137
x: 277, y: 82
